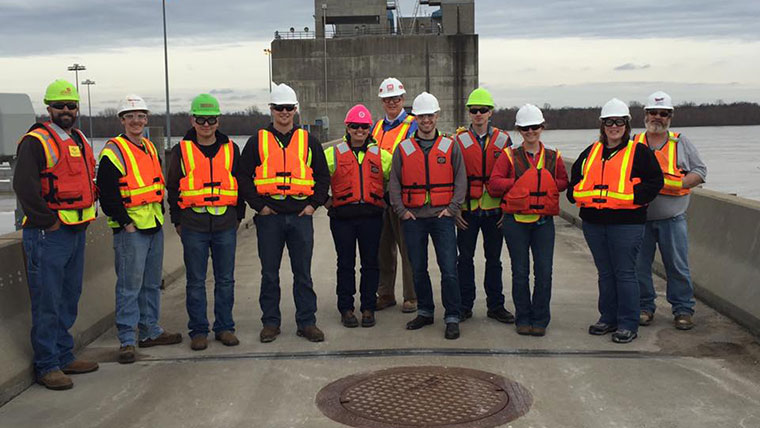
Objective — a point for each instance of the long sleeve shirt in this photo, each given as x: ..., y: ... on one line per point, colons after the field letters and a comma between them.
x: 250, y: 159
x: 427, y: 210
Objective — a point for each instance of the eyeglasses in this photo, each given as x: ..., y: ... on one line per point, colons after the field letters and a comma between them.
x: 530, y: 128
x: 135, y: 116
x: 356, y: 126
x: 391, y: 100
x: 615, y: 122
x: 481, y: 110
x: 61, y: 105
x: 661, y: 113
x: 288, y: 107
x: 202, y: 120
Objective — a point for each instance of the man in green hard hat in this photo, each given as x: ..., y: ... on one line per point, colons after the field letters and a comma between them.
x: 53, y: 181
x: 206, y: 211
x: 481, y: 145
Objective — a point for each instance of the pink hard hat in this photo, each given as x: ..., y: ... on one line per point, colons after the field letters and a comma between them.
x: 358, y: 114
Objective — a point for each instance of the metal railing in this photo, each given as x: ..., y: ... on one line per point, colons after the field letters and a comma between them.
x: 356, y: 32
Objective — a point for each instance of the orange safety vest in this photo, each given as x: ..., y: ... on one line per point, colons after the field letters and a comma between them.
x: 607, y: 183
x: 207, y: 182
x: 390, y: 139
x: 534, y: 191
x: 667, y: 157
x: 479, y: 161
x: 422, y: 175
x: 284, y: 171
x: 143, y: 182
x: 68, y: 179
x: 354, y: 183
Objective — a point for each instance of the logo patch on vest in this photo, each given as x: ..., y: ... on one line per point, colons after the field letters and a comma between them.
x: 441, y: 159
x: 374, y: 169
x: 496, y: 154
x: 75, y: 152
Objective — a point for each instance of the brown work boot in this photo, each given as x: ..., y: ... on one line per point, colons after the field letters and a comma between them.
x: 80, y: 366
x: 199, y: 342
x: 409, y: 306
x: 537, y: 331
x: 523, y: 330
x: 368, y: 319
x: 269, y: 333
x: 164, y: 338
x: 385, y: 302
x: 56, y: 381
x: 127, y: 354
x: 348, y: 319
x: 227, y: 338
x: 683, y: 322
x: 645, y: 318
x: 311, y: 333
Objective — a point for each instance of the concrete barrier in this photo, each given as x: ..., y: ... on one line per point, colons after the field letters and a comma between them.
x: 724, y: 252
x: 96, y: 306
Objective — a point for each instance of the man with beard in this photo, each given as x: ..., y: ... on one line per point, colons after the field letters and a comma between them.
x: 666, y: 215
x: 53, y: 181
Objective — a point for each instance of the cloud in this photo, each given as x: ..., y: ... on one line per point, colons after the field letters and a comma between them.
x: 631, y: 66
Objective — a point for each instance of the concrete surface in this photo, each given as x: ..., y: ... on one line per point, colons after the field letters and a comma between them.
x: 707, y: 377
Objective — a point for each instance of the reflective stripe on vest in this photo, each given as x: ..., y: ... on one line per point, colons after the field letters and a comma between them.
x: 427, y: 178
x: 143, y: 180
x: 607, y: 183
x: 667, y: 158
x: 208, y: 184
x: 388, y: 140
x: 357, y: 179
x: 284, y: 171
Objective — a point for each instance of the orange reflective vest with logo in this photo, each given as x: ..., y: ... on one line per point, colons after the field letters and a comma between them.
x: 207, y: 182
x: 607, y: 183
x: 667, y: 157
x: 427, y: 176
x: 354, y: 183
x: 534, y: 191
x: 284, y: 171
x: 143, y: 179
x: 479, y: 161
x: 68, y: 178
x: 388, y: 140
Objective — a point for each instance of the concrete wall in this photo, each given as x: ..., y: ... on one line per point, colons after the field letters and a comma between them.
x: 724, y: 252
x: 446, y: 66
x: 96, y: 306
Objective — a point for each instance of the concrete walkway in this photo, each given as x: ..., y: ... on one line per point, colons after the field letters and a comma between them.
x: 707, y: 377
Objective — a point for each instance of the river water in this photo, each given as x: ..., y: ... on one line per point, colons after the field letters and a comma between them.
x: 732, y: 155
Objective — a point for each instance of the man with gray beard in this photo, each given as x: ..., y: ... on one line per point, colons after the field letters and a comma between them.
x: 666, y: 216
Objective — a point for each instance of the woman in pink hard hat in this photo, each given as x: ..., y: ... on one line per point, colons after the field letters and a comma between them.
x: 358, y: 171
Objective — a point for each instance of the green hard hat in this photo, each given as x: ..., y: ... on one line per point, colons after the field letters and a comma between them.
x: 205, y: 105
x: 61, y: 90
x: 480, y: 97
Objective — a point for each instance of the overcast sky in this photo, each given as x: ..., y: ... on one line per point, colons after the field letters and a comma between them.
x: 560, y: 52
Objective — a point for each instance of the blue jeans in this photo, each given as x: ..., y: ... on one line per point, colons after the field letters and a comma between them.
x: 441, y: 230
x: 346, y: 233
x: 673, y: 239
x: 196, y: 247
x: 139, y: 262
x: 522, y: 240
x: 55, y: 267
x: 466, y: 243
x: 615, y: 248
x: 273, y: 233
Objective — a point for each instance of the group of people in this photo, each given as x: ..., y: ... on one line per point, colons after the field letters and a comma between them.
x: 388, y: 186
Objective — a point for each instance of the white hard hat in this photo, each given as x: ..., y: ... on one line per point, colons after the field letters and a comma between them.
x: 425, y: 104
x: 131, y: 102
x: 615, y: 108
x: 283, y: 94
x: 659, y: 100
x: 391, y: 87
x: 529, y: 115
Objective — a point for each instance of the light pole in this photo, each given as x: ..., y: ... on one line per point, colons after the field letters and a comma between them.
x: 166, y: 76
x: 76, y: 68
x: 268, y: 52
x: 89, y: 83
x: 324, y: 31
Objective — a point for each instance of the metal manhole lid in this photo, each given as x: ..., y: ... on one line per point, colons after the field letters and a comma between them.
x: 428, y: 396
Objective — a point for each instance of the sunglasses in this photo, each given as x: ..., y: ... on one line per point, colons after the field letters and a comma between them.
x: 391, y: 100
x: 60, y: 106
x: 661, y: 113
x: 135, y: 116
x: 481, y: 110
x: 614, y: 122
x: 530, y: 128
x: 356, y: 126
x: 288, y: 107
x: 202, y: 120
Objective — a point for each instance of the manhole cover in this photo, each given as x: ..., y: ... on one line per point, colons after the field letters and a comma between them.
x: 424, y: 397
